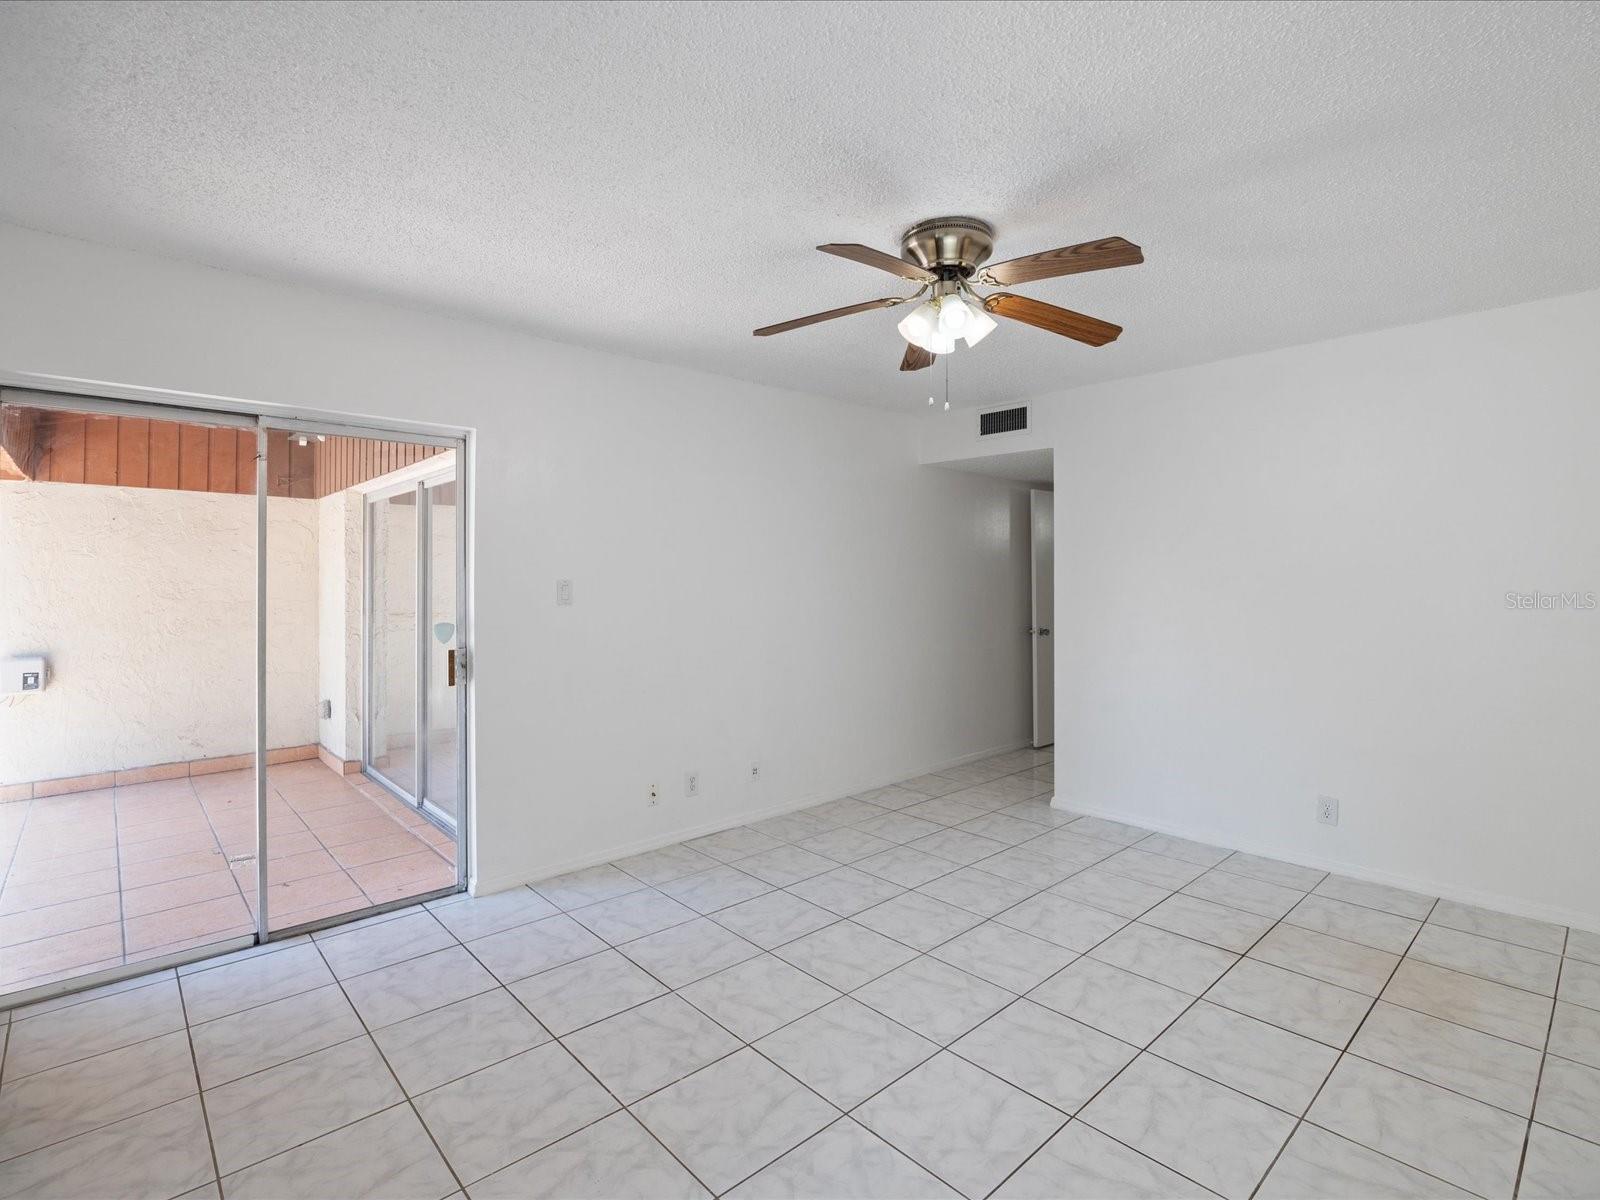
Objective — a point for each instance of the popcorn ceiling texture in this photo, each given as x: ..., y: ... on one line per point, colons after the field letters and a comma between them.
x: 651, y: 178
x: 143, y: 600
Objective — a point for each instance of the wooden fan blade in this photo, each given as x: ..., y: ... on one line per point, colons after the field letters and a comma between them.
x: 847, y: 310
x: 1090, y: 330
x: 1068, y: 260
x: 856, y: 252
x: 916, y: 358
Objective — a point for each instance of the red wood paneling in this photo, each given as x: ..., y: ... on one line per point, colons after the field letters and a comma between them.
x: 222, y: 470
x: 194, y: 458
x: 164, y: 454
x: 133, y: 452
x: 100, y: 450
x: 246, y: 454
x: 68, y: 432
x: 62, y: 447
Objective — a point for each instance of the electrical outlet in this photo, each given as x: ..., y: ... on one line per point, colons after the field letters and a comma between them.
x: 564, y: 592
x: 691, y: 783
x: 1327, y: 810
x: 755, y: 772
x: 655, y: 797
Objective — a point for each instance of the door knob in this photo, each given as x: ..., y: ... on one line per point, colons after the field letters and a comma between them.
x: 1044, y: 633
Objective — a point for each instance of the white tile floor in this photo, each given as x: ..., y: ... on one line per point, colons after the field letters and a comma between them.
x: 944, y: 987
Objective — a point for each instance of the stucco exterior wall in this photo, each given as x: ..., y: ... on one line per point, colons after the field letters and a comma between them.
x: 143, y: 601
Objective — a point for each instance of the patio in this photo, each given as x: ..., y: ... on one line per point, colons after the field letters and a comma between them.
x: 94, y: 880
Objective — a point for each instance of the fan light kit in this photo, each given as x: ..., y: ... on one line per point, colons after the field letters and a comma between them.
x: 946, y: 256
x: 935, y: 324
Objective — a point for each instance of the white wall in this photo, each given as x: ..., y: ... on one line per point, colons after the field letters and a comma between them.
x: 143, y: 601
x: 1285, y: 575
x: 759, y: 574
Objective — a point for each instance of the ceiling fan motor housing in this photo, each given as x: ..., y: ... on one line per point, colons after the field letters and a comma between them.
x: 951, y: 247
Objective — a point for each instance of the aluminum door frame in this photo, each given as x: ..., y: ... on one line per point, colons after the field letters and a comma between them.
x: 425, y: 527
x: 418, y: 797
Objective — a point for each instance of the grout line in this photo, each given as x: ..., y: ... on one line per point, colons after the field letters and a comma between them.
x: 122, y: 917
x: 1434, y: 1083
x: 1342, y: 1053
x: 74, y: 999
x: 367, y: 1033
x: 1142, y: 1051
x: 743, y: 1044
x: 1527, y: 1134
x: 1391, y: 1158
x: 1489, y: 937
x: 199, y: 1090
x: 61, y: 1141
x: 67, y: 1062
x: 557, y: 1040
x: 227, y: 863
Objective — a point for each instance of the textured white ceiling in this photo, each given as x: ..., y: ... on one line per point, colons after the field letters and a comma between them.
x: 651, y: 178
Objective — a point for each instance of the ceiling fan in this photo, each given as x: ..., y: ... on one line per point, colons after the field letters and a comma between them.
x: 946, y: 256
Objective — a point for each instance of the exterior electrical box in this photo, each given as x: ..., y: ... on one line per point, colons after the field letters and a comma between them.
x: 23, y: 674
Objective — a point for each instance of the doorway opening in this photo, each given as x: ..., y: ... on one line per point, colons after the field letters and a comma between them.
x: 1042, y: 568
x: 1031, y: 534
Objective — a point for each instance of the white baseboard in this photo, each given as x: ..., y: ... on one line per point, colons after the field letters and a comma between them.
x: 486, y: 887
x: 1514, y: 905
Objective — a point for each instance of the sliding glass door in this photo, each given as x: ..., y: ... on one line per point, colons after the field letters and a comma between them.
x: 415, y: 660
x: 128, y: 573
x: 392, y: 625
x: 233, y: 684
x: 442, y: 658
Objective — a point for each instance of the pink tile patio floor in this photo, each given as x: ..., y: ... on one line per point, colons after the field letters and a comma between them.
x: 97, y: 879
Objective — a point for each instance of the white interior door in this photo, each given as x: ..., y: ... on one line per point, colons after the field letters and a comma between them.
x: 1041, y: 508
